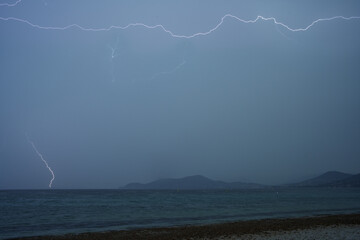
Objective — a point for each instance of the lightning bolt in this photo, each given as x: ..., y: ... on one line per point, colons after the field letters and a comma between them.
x: 10, y: 4
x: 171, y: 71
x: 114, y: 55
x: 42, y: 158
x: 114, y: 49
x: 174, y: 35
x: 113, y: 52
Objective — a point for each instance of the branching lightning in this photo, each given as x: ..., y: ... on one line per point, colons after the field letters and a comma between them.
x: 174, y: 35
x: 113, y: 52
x: 42, y: 158
x: 161, y: 27
x: 114, y: 55
x: 114, y: 49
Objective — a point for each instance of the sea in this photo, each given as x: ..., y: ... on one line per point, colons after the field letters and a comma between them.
x: 52, y: 212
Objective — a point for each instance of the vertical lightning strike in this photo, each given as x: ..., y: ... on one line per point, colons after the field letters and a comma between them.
x: 42, y: 158
x: 114, y: 49
x: 113, y: 52
x: 114, y: 55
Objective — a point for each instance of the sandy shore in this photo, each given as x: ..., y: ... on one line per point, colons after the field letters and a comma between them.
x: 324, y: 227
x: 344, y: 232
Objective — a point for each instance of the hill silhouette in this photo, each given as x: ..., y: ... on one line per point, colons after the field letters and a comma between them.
x: 191, y: 183
x: 198, y: 182
x: 353, y: 181
x: 331, y: 178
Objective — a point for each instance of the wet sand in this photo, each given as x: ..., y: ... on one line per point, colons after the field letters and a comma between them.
x: 321, y: 227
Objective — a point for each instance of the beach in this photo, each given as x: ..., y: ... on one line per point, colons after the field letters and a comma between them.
x: 318, y: 227
x: 320, y: 232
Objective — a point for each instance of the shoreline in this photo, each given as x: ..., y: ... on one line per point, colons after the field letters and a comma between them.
x: 230, y: 230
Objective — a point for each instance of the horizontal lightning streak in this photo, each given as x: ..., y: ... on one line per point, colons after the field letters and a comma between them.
x: 10, y: 4
x: 42, y: 158
x: 172, y: 34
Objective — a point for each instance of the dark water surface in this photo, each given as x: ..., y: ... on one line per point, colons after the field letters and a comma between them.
x: 42, y: 212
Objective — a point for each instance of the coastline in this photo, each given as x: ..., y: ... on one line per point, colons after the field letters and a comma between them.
x: 250, y: 229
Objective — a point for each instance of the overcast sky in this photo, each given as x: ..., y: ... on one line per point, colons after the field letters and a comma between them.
x: 253, y: 102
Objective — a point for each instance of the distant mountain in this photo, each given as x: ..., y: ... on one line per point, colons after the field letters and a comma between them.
x: 325, y: 179
x: 353, y: 181
x: 196, y: 182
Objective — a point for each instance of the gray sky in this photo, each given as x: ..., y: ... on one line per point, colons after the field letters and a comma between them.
x: 251, y: 101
